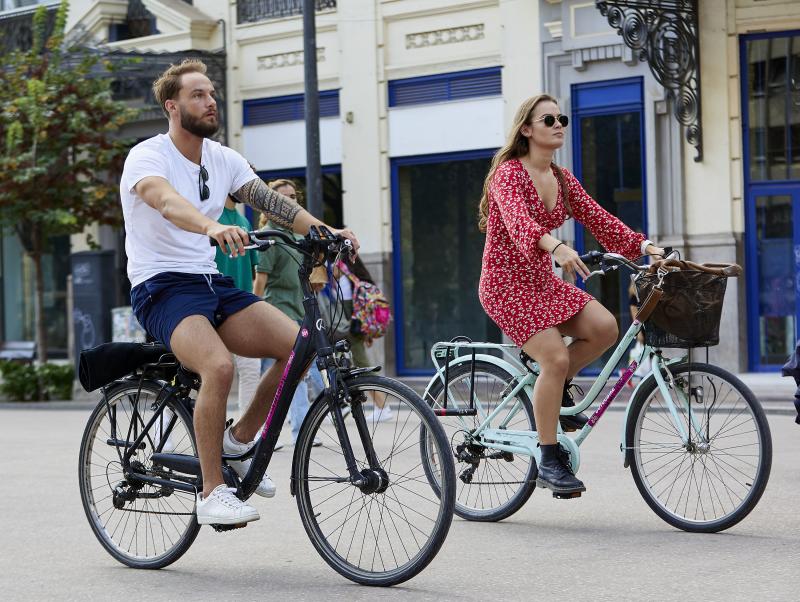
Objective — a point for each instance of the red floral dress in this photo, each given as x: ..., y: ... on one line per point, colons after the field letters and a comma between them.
x: 519, y: 289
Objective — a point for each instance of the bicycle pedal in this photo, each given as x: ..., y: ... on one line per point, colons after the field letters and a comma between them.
x: 220, y: 528
x: 566, y: 496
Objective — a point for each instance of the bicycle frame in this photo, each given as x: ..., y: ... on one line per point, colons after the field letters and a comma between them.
x: 526, y: 442
x: 311, y: 342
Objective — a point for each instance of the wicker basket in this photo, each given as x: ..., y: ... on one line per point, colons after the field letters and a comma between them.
x: 689, y: 313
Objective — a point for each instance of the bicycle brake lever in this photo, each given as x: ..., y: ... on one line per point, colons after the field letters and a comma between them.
x: 593, y: 274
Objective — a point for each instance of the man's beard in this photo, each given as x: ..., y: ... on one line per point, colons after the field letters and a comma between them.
x: 196, y: 126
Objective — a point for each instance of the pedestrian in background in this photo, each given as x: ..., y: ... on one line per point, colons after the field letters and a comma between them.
x: 242, y: 270
x: 277, y: 283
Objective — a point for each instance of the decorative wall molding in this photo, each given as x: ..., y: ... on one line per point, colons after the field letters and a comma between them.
x: 665, y: 33
x: 582, y: 56
x: 286, y: 59
x: 451, y: 35
x: 555, y: 28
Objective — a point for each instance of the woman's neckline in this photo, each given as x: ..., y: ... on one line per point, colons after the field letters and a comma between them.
x: 539, y: 196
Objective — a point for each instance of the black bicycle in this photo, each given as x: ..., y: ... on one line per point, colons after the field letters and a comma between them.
x: 364, y: 498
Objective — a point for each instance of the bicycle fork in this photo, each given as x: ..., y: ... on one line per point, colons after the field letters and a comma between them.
x: 370, y: 480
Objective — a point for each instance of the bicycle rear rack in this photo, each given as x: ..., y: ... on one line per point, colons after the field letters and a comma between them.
x: 448, y: 351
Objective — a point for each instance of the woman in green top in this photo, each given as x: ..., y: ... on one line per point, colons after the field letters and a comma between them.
x: 277, y: 282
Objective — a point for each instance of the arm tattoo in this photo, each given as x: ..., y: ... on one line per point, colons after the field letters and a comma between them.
x: 278, y: 208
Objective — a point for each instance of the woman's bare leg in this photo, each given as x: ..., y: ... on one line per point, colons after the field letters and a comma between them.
x: 548, y: 349
x: 593, y: 330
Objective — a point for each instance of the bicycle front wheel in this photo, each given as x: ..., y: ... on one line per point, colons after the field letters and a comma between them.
x: 374, y: 534
x: 491, y: 485
x: 715, y: 479
x: 140, y: 524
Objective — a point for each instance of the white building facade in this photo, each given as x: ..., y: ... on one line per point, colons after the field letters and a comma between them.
x: 416, y: 96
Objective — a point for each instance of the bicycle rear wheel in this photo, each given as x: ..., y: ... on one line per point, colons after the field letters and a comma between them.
x: 491, y: 485
x: 710, y: 483
x: 374, y: 537
x: 141, y: 525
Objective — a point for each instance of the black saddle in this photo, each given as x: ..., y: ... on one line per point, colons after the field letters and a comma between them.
x: 106, y: 363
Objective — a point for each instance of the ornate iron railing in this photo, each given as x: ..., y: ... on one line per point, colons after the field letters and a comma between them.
x: 250, y: 11
x: 16, y: 28
x: 665, y: 33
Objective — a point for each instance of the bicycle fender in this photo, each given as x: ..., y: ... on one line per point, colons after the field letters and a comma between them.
x: 492, y: 359
x: 626, y: 453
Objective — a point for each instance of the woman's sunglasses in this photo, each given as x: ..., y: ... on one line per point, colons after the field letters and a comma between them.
x: 202, y: 178
x: 550, y: 120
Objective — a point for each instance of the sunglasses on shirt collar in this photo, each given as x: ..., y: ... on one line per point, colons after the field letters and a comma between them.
x: 550, y: 120
x: 202, y: 188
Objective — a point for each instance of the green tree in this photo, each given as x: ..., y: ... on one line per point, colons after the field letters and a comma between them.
x: 61, y: 153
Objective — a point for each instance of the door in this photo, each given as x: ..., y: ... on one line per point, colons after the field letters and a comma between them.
x: 772, y: 276
x: 608, y: 156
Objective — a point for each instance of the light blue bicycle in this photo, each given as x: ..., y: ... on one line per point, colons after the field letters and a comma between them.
x: 694, y: 436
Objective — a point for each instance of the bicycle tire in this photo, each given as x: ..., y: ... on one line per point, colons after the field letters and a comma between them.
x: 379, y: 509
x: 95, y: 481
x: 728, y: 466
x: 506, y: 491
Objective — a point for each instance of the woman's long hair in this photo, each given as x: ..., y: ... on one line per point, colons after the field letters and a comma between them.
x: 515, y: 147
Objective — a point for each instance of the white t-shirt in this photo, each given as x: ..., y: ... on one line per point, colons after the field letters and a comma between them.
x: 155, y: 245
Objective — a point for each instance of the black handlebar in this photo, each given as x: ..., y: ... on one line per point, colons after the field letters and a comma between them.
x: 319, y: 239
x: 590, y: 258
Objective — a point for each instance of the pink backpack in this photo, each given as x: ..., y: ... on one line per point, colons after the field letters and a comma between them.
x: 371, y: 313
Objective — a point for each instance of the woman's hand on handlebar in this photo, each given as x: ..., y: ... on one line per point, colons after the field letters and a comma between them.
x: 655, y: 251
x: 570, y: 261
x: 231, y: 239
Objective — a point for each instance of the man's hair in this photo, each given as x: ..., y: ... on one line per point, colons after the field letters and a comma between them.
x: 168, y: 84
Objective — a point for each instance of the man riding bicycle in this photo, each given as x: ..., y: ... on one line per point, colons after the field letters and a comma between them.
x: 173, y: 190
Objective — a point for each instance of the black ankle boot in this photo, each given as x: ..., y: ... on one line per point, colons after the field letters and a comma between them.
x: 555, y: 473
x: 571, y: 423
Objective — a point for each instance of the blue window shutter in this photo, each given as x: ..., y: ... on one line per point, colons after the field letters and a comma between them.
x: 446, y: 86
x: 278, y: 109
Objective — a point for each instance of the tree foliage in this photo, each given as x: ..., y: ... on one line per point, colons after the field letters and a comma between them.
x: 61, y: 157
x: 61, y: 153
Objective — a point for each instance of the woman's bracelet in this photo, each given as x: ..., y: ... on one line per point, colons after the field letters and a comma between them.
x: 554, y: 248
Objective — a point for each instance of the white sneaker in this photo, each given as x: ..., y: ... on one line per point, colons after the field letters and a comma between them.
x: 266, y: 488
x: 222, y: 507
x: 383, y: 414
x: 317, y: 442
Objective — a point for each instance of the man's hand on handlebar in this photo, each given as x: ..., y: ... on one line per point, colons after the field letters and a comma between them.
x: 570, y: 261
x: 231, y: 239
x: 349, y: 235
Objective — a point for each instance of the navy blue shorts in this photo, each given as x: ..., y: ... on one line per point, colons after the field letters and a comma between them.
x: 161, y: 302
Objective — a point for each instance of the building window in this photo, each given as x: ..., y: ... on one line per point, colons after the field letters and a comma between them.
x: 447, y: 86
x: 773, y: 107
x: 435, y: 201
x: 287, y: 108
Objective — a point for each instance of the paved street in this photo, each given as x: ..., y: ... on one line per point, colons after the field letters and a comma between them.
x: 607, y: 545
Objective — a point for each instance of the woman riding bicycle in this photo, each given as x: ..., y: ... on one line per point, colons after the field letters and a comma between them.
x: 525, y: 197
